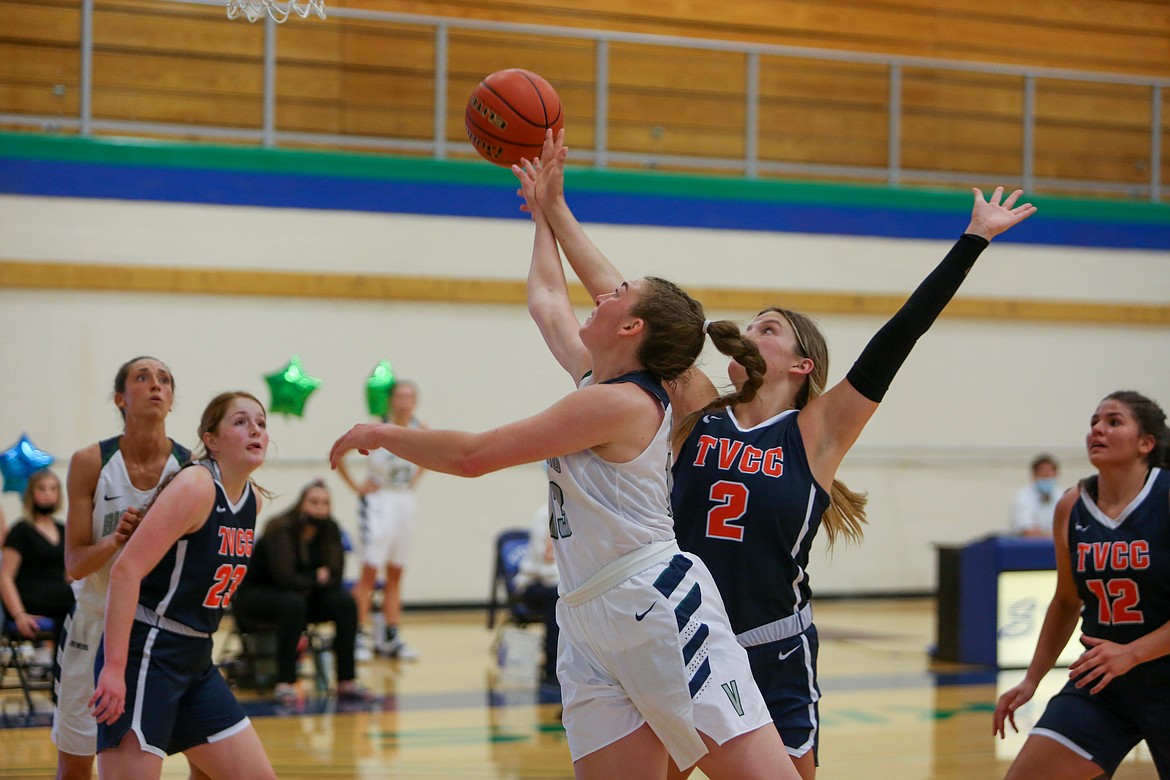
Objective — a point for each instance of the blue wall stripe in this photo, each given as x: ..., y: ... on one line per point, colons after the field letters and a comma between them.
x: 64, y: 178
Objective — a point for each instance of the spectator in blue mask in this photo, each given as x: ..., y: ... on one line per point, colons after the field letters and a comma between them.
x: 1034, y: 504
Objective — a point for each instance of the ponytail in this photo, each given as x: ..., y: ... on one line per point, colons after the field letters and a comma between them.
x: 845, y: 515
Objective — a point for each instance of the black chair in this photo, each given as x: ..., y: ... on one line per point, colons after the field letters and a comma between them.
x: 248, y: 658
x: 511, y: 546
x: 12, y: 653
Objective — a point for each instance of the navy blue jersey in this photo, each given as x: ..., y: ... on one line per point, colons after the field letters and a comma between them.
x: 646, y: 381
x: 195, y: 580
x: 745, y: 501
x: 1122, y: 565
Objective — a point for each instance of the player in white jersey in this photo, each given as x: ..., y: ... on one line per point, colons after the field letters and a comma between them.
x: 649, y: 668
x: 386, y: 512
x: 748, y: 500
x: 109, y: 483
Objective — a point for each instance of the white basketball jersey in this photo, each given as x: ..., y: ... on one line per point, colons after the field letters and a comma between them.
x: 390, y: 471
x: 601, y: 511
x: 113, y: 495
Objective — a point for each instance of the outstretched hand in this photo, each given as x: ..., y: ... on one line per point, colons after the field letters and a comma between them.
x: 359, y: 437
x: 526, y: 173
x: 550, y: 172
x: 990, y: 217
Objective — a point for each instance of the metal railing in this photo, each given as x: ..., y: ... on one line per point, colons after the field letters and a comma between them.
x: 751, y: 164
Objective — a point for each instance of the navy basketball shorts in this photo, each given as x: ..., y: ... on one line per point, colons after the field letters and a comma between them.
x: 1104, y: 727
x: 786, y: 672
x: 175, y: 696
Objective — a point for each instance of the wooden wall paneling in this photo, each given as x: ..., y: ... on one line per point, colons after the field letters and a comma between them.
x: 201, y: 31
x: 40, y: 23
x: 36, y: 99
x: 185, y: 108
x: 129, y: 70
x: 34, y: 65
x: 1059, y: 33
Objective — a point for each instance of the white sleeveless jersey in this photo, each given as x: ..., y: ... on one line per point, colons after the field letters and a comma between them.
x: 600, y: 511
x: 390, y: 471
x: 113, y: 495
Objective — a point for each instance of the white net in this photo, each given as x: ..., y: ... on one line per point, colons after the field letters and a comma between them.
x: 255, y: 9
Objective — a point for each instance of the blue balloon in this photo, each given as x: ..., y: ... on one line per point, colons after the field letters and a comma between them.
x: 20, y: 462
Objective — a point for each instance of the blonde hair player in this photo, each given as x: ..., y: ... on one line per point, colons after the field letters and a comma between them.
x: 755, y: 471
x: 648, y: 667
x: 158, y: 691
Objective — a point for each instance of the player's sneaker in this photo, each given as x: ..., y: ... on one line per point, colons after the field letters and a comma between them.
x: 398, y: 649
x: 361, y: 648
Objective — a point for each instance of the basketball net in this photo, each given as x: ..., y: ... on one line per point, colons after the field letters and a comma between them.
x: 255, y: 9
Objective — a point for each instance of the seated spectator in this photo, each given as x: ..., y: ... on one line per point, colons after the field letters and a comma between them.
x: 1035, y: 503
x: 295, y: 579
x: 33, y: 584
x: 536, y: 582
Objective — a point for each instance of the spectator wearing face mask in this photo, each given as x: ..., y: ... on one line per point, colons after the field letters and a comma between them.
x: 295, y: 578
x: 33, y: 583
x: 1034, y: 504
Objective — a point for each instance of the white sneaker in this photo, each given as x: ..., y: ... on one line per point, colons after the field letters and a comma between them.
x: 361, y: 648
x: 396, y: 648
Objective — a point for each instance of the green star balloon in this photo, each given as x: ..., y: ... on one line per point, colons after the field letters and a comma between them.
x: 291, y: 386
x: 378, y: 388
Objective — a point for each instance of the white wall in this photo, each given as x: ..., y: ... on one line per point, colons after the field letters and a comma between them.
x: 940, y: 460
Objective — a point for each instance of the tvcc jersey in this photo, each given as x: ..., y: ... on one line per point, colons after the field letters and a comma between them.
x: 1122, y: 565
x: 746, y: 503
x: 195, y: 580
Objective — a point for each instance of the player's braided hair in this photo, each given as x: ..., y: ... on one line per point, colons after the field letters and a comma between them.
x: 845, y: 515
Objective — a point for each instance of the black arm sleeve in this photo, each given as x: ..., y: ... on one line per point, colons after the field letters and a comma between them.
x: 887, y: 350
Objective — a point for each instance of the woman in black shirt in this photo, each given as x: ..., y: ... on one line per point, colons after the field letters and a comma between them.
x: 33, y: 584
x: 295, y: 579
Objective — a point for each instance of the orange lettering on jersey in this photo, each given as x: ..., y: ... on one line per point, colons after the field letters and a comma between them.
x: 774, y: 462
x: 750, y: 462
x: 728, y: 450
x: 1139, y: 554
x: 1117, y: 556
x: 236, y: 542
x: 706, y: 443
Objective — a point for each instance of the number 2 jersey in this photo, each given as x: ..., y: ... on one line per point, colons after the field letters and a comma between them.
x: 746, y: 503
x: 196, y: 578
x: 1122, y: 565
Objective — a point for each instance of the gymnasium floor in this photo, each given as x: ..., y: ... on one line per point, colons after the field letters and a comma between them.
x: 886, y: 713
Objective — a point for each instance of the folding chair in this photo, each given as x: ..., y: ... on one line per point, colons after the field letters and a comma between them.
x: 12, y: 653
x: 248, y: 658
x: 511, y: 546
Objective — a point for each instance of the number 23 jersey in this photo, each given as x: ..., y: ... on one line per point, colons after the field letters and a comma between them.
x: 746, y: 503
x: 196, y: 578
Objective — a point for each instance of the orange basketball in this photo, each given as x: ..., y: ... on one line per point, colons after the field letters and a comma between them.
x: 508, y: 114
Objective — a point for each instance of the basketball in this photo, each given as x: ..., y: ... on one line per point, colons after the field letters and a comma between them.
x: 508, y: 113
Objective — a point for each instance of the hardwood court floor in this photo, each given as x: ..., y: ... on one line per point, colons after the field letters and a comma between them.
x: 886, y: 712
